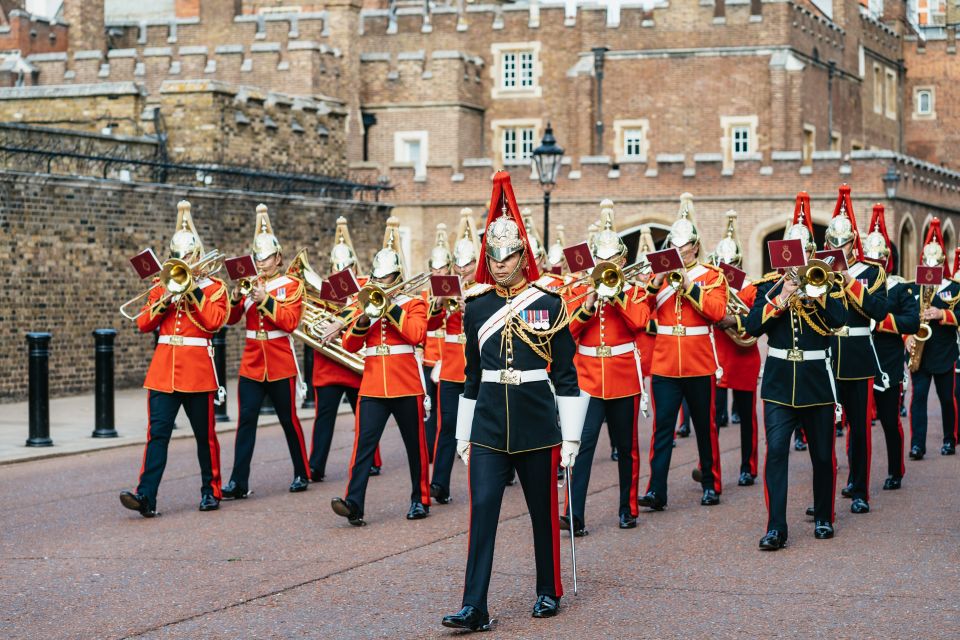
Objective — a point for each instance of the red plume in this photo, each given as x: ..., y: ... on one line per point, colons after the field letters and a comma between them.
x: 878, y: 222
x: 934, y: 234
x: 503, y: 195
x: 801, y: 211
x: 844, y: 204
x: 956, y: 259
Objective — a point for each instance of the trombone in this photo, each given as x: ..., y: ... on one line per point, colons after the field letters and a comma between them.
x: 815, y: 279
x: 607, y: 279
x: 373, y: 299
x: 177, y: 277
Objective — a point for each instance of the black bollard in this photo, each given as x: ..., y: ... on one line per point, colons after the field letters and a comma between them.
x: 220, y: 362
x: 308, y: 401
x: 103, y: 426
x: 39, y: 348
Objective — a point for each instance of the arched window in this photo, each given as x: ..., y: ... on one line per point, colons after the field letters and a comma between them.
x: 909, y: 247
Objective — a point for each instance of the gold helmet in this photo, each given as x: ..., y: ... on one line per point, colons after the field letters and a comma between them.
x: 555, y: 254
x: 684, y: 231
x: 389, y: 259
x: 265, y: 244
x: 607, y: 243
x: 533, y: 234
x: 342, y: 256
x: 440, y: 256
x: 467, y: 247
x: 728, y: 249
x: 185, y: 243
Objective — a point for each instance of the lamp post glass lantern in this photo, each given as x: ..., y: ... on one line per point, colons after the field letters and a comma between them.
x: 546, y: 159
x: 890, y: 180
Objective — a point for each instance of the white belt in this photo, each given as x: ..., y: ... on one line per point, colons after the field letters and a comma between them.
x: 680, y: 330
x: 606, y: 351
x: 843, y: 332
x: 265, y: 335
x: 388, y: 349
x: 184, y: 341
x: 456, y: 337
x: 511, y: 376
x: 438, y: 333
x: 796, y: 355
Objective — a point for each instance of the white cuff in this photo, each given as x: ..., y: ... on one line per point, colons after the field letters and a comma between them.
x: 573, y: 412
x: 465, y: 410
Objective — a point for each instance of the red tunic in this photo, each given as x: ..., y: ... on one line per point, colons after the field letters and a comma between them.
x: 268, y: 353
x: 741, y: 365
x: 453, y: 361
x: 178, y: 364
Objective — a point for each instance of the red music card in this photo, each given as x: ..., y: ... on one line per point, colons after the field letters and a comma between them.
x: 786, y: 254
x: 344, y: 283
x: 839, y: 260
x: 327, y: 293
x: 929, y: 275
x: 146, y: 264
x: 557, y: 271
x: 579, y: 257
x: 240, y: 267
x: 445, y: 286
x: 735, y: 277
x: 665, y: 261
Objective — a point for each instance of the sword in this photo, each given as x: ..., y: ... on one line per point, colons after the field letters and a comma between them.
x: 573, y: 545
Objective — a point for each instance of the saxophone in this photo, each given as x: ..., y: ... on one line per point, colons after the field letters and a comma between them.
x: 923, y: 333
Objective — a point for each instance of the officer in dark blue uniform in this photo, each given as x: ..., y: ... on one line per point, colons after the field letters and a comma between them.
x: 939, y: 353
x: 798, y: 388
x: 506, y: 418
x: 855, y: 361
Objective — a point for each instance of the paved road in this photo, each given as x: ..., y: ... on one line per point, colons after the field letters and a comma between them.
x: 74, y: 564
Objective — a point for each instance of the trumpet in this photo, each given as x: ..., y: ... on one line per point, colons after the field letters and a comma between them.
x: 177, y: 277
x: 373, y: 299
x: 608, y: 280
x: 675, y: 279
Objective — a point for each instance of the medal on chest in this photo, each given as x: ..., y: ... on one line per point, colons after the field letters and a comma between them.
x: 536, y: 318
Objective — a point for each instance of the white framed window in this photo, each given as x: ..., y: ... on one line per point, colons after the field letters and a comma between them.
x: 891, y: 94
x: 411, y: 147
x: 516, y: 70
x: 923, y: 103
x: 515, y: 140
x: 739, y: 140
x: 630, y: 142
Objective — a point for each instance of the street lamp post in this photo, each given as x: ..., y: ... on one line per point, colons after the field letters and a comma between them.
x: 890, y: 180
x: 546, y: 159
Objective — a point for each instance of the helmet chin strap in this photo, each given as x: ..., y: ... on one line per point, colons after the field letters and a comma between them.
x: 505, y: 282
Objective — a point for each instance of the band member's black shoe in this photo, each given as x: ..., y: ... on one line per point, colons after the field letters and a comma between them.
x: 614, y: 454
x: 627, y: 521
x: 299, y: 484
x: 916, y: 453
x: 822, y: 530
x: 859, y: 505
x: 138, y: 503
x: 209, y: 503
x: 578, y: 529
x: 948, y: 449
x: 684, y: 430
x: 810, y: 512
x: 892, y: 483
x: 348, y: 510
x: 417, y: 511
x: 799, y: 445
x: 697, y: 475
x: 374, y: 470
x: 773, y: 541
x: 546, y: 607
x: 651, y: 500
x: 710, y: 498
x: 234, y: 492
x: 315, y: 476
x: 847, y: 491
x: 734, y: 418
x: 746, y: 479
x: 469, y: 619
x: 722, y: 420
x: 903, y: 412
x: 440, y: 494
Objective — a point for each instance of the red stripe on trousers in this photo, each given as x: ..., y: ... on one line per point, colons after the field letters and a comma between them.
x: 653, y: 434
x: 754, y: 453
x: 555, y: 521
x: 296, y: 425
x: 436, y: 439
x: 833, y: 485
x: 143, y: 462
x: 635, y: 458
x: 214, y: 445
x: 715, y: 437
x: 424, y: 458
x: 956, y: 419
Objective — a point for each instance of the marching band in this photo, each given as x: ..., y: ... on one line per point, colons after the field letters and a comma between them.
x: 511, y: 356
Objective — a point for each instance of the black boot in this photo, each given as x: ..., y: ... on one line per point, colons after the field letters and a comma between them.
x: 299, y: 484
x: 546, y: 607
x: 651, y: 500
x: 892, y: 483
x: 349, y: 510
x: 417, y: 511
x: 235, y: 492
x: 440, y: 494
x: 138, y: 503
x: 469, y: 619
x: 773, y: 540
x: 822, y: 530
x: 209, y: 503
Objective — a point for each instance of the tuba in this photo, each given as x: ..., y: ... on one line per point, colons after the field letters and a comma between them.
x: 923, y: 333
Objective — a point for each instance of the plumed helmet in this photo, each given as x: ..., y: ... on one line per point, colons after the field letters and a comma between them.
x: 389, y: 259
x: 185, y: 243
x: 607, y: 243
x: 265, y: 244
x: 440, y: 256
x: 342, y: 255
x: 684, y: 231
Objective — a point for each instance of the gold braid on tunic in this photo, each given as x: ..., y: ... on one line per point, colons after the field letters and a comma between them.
x: 537, y: 339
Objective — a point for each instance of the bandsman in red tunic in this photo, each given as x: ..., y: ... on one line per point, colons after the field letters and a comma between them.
x: 182, y: 373
x: 271, y: 311
x: 440, y: 263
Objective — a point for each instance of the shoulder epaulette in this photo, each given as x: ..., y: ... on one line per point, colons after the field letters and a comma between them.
x: 540, y: 287
x: 771, y: 276
x: 477, y: 290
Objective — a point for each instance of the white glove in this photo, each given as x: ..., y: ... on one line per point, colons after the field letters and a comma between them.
x: 568, y: 453
x: 463, y: 450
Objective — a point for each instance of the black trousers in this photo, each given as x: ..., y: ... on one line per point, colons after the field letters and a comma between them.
x: 945, y: 383
x: 250, y: 394
x: 489, y: 472
x: 445, y: 446
x: 779, y: 422
x: 668, y: 393
x: 745, y: 404
x: 162, y: 409
x: 854, y: 396
x: 621, y: 416
x: 887, y: 404
x: 430, y: 421
x: 327, y: 400
x: 372, y: 416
